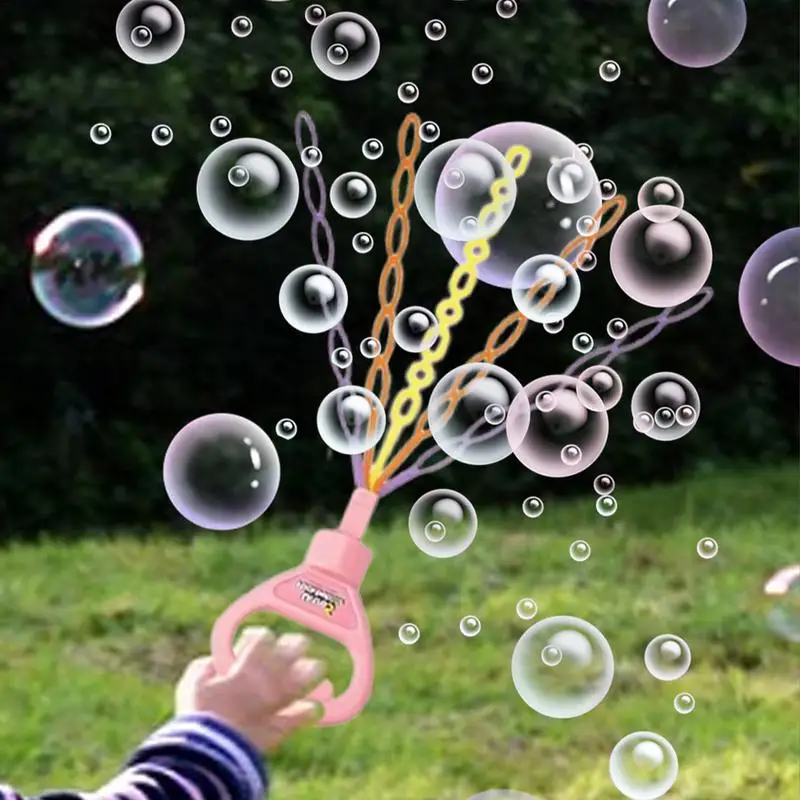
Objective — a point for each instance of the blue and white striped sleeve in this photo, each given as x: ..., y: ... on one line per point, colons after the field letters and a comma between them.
x: 193, y: 757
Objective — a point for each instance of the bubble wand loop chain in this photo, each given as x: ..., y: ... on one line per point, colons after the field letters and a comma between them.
x: 398, y: 233
x: 322, y: 235
x: 449, y: 312
x: 505, y: 335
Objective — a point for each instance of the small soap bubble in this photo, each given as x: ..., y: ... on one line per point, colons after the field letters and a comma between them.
x: 372, y: 148
x: 586, y: 150
x: 470, y: 626
x: 482, y: 74
x: 286, y: 428
x: 604, y: 485
x: 363, y: 242
x: 429, y: 132
x: 685, y: 416
x: 494, y: 414
x: 408, y: 633
x: 220, y: 126
x: 281, y: 77
x: 667, y: 657
x: 571, y: 455
x: 506, y: 9
x: 532, y: 507
x: 315, y: 14
x: 351, y: 420
x: 241, y: 27
x: 408, y: 92
x: 311, y: 156
x: 435, y: 30
x: 553, y: 327
x: 684, y: 703
x: 150, y: 31
x: 545, y: 401
x: 238, y: 176
x: 313, y: 298
x: 141, y: 36
x: 643, y: 766
x: 527, y: 608
x: 664, y: 417
x: 161, y: 135
x: 370, y: 347
x: 660, y: 199
x: 435, y: 531
x: 453, y: 512
x: 586, y: 225
x: 707, y: 547
x: 609, y: 71
x: 608, y: 189
x: 551, y: 656
x: 100, y: 133
x: 580, y: 550
x: 606, y: 505
x: 617, y: 328
x: 341, y: 357
x: 643, y: 422
x: 415, y: 329
x: 582, y: 342
x: 337, y: 54
x: 586, y: 261
x: 353, y: 195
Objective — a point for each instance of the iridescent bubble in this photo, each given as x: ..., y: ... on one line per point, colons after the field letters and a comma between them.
x: 408, y: 92
x: 660, y: 395
x: 100, y: 133
x: 461, y: 431
x: 532, y: 507
x: 538, y: 444
x: 707, y: 547
x: 370, y: 347
x: 527, y: 608
x: 604, y: 484
x: 314, y: 14
x: 363, y: 242
x: 697, y: 34
x: 341, y: 357
x: 684, y: 703
x: 609, y: 71
x: 429, y: 132
x: 163, y: 33
x: 506, y: 8
x: 580, y: 550
x: 470, y: 626
x: 482, y: 73
x: 354, y: 32
x: 353, y: 195
x: 408, y: 633
x: 221, y: 472
x: 582, y: 342
x: 534, y: 225
x: 286, y: 428
x: 162, y: 135
x: 578, y: 683
x: 667, y: 657
x: 546, y: 289
x: 660, y: 264
x: 606, y: 506
x: 643, y: 766
x: 313, y: 298
x: 220, y: 126
x: 660, y: 199
x: 351, y: 420
x: 264, y: 206
x: 782, y: 592
x: 281, y: 77
x: 769, y: 297
x: 241, y: 27
x: 435, y: 30
x: 454, y: 512
x: 617, y: 328
x: 87, y: 269
x: 372, y: 148
x: 604, y: 382
x: 415, y: 329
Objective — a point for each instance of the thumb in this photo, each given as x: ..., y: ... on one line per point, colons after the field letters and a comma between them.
x: 199, y: 670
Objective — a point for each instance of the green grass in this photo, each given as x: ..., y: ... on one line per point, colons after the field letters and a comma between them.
x: 94, y: 635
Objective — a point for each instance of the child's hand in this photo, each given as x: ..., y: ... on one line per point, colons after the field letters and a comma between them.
x: 259, y: 697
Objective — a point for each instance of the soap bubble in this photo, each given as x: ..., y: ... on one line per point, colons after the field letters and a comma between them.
x: 494, y: 414
x: 609, y: 71
x: 586, y: 226
x: 660, y: 199
x: 553, y: 327
x: 643, y: 766
x: 150, y: 31
x: 586, y: 261
x: 341, y: 357
x: 482, y: 74
x: 454, y: 512
x: 370, y: 347
x: 580, y: 550
x: 363, y: 242
x: 546, y: 289
x: 667, y: 657
x: 435, y: 30
x: 313, y: 298
x: 87, y: 269
x: 429, y: 173
x: 162, y: 135
x: 351, y: 420
x: 281, y: 77
x: 697, y: 34
x: 408, y: 633
x: 582, y: 343
x: 353, y: 195
x: 571, y: 455
x: 264, y: 206
x: 220, y: 126
x: 684, y: 703
x: 587, y: 150
x: 617, y: 328
x: 661, y: 396
x: 527, y: 608
x: 337, y: 54
x: 408, y: 92
x: 605, y: 383
x: 606, y: 505
x: 532, y: 507
x: 354, y: 32
x: 435, y: 531
x: 707, y: 547
x: 539, y: 443
x: 286, y: 428
x: 238, y: 176
x: 314, y: 14
x: 782, y: 591
x: 660, y: 264
x: 221, y: 472
x: 241, y: 27
x: 769, y: 297
x: 470, y: 626
x: 429, y: 132
x: 372, y: 148
x: 534, y: 226
x: 311, y: 156
x: 604, y: 484
x: 461, y: 431
x: 415, y: 329
x: 578, y: 683
x: 506, y: 8
x: 100, y: 133
x: 545, y: 401
x: 551, y: 656
x: 608, y: 189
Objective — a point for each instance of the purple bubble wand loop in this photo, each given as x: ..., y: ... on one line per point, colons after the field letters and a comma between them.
x: 608, y: 353
x: 322, y: 237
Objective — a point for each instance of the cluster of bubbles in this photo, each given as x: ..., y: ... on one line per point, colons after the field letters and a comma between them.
x: 665, y: 406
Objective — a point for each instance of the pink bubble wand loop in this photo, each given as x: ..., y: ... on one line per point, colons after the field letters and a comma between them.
x: 322, y: 594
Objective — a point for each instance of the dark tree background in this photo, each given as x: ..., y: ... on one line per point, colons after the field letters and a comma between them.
x: 85, y: 417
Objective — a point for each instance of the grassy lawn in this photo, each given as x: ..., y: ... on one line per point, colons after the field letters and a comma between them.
x: 95, y: 634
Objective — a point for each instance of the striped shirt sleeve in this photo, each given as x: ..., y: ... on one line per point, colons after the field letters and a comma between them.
x: 193, y: 757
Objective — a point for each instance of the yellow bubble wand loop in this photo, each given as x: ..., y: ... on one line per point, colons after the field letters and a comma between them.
x: 407, y: 404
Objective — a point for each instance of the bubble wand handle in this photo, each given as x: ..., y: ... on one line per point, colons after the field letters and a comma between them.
x: 323, y: 594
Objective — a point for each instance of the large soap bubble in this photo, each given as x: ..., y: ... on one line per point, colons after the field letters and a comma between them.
x: 540, y: 223
x: 345, y: 46
x: 643, y: 766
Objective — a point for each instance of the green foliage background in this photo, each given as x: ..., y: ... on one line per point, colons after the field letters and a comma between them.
x: 209, y: 336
